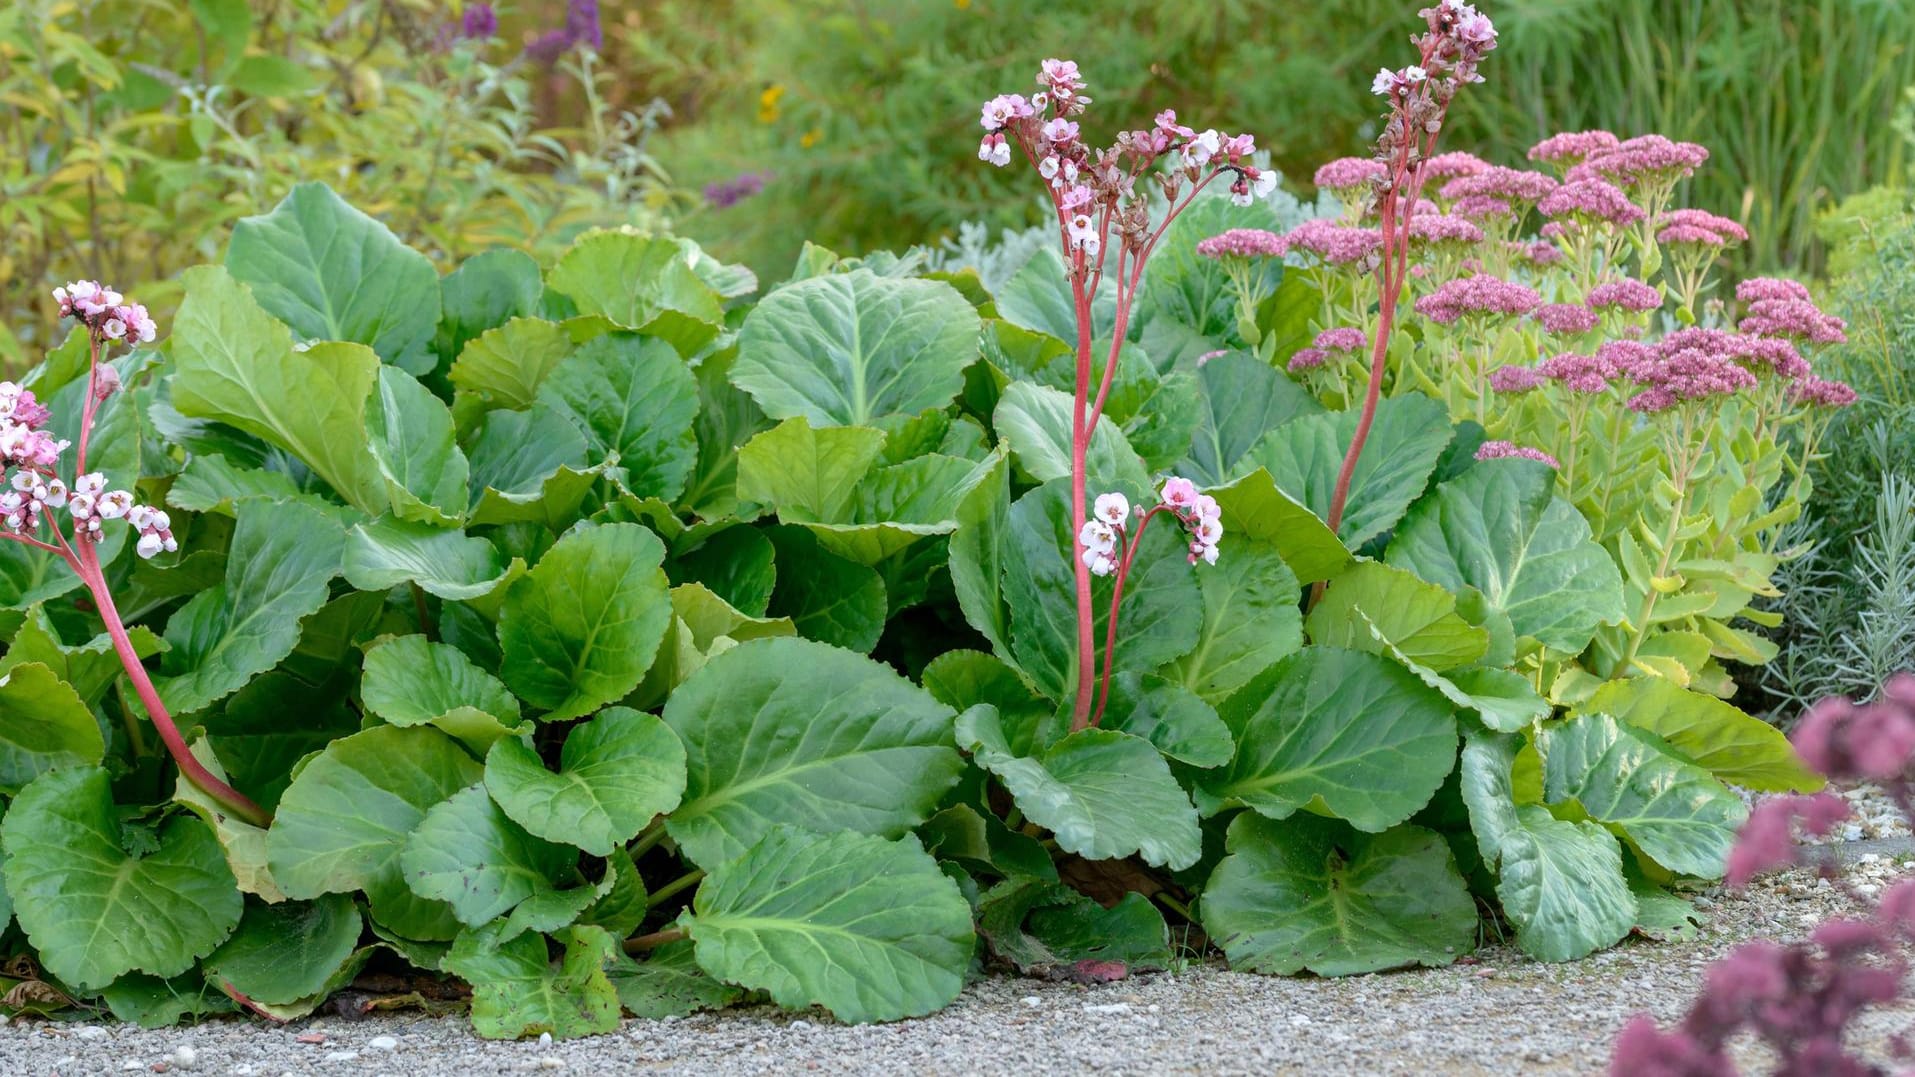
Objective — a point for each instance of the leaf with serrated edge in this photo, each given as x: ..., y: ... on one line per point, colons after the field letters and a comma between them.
x: 616, y: 772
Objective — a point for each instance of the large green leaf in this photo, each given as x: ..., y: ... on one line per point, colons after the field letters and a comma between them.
x: 1038, y: 298
x: 1353, y: 733
x: 1713, y: 734
x: 506, y: 365
x: 1673, y: 810
x: 1560, y: 882
x: 844, y: 349
x: 488, y: 290
x: 1315, y: 894
x: 466, y: 853
x: 616, y: 772
x: 869, y: 929
x: 737, y: 564
x: 1035, y: 421
x: 1500, y: 528
x: 668, y: 983
x: 634, y: 400
x: 1189, y: 288
x: 1384, y: 610
x: 95, y: 911
x: 233, y: 362
x: 517, y: 990
x: 1244, y: 398
x: 410, y: 680
x: 1168, y: 715
x: 412, y: 439
x: 580, y: 629
x: 333, y: 273
x: 283, y: 556
x: 806, y: 473
x: 44, y: 725
x: 1305, y: 455
x: 343, y: 821
x: 89, y: 668
x: 1104, y: 795
x: 1163, y: 612
x: 1250, y: 621
x: 384, y: 553
x: 642, y: 283
x: 1254, y: 508
x: 529, y: 467
x: 828, y: 598
x: 283, y: 954
x: 790, y: 731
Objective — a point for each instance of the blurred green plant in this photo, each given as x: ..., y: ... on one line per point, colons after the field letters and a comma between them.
x: 137, y: 132
x: 865, y: 112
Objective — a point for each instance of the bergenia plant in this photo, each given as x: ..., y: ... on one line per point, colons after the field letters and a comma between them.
x: 1458, y: 38
x: 1108, y: 222
x: 40, y: 509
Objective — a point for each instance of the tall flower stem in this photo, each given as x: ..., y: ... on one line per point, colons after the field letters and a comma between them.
x: 1116, y: 603
x: 1685, y: 464
x: 1080, y: 447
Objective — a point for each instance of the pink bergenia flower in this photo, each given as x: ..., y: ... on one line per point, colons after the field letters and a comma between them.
x: 1571, y: 147
x: 994, y: 149
x: 1629, y: 294
x: 1591, y: 200
x: 1349, y: 173
x: 1098, y: 542
x: 1112, y: 508
x: 1477, y: 295
x: 1243, y: 243
x: 1503, y: 450
x: 105, y: 312
x: 1000, y: 111
x: 1567, y: 319
x: 1178, y: 493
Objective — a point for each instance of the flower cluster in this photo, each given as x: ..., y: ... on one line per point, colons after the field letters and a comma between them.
x: 1459, y: 37
x: 1244, y: 243
x: 1452, y: 164
x: 1585, y: 374
x: 105, y: 312
x: 1821, y: 393
x: 1350, y: 174
x: 1336, y: 244
x: 1339, y: 343
x: 728, y: 193
x: 1102, y: 540
x: 1570, y: 148
x: 1796, y: 319
x: 1628, y: 294
x: 1699, y: 228
x: 1503, y: 184
x: 1441, y: 228
x: 24, y: 441
x: 580, y: 30
x: 1566, y: 319
x: 1503, y: 450
x: 1479, y: 294
x: 1800, y: 997
x: 1645, y: 159
x: 1590, y: 200
x: 1682, y: 375
x: 1514, y: 378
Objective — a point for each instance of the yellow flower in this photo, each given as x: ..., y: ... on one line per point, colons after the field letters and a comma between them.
x: 768, y: 102
x: 812, y: 137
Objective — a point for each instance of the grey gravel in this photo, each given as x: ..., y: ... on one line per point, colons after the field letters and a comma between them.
x: 1498, y: 1013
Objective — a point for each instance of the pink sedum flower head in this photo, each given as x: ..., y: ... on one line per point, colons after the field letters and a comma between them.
x: 1336, y: 244
x: 1629, y: 294
x: 1646, y: 159
x: 1439, y: 229
x: 1503, y: 450
x: 1483, y: 209
x: 1585, y: 374
x: 1571, y: 147
x: 1684, y: 375
x: 1243, y: 243
x: 1756, y: 289
x: 1567, y: 319
x: 1508, y: 184
x: 1480, y: 294
x: 1699, y: 228
x: 1307, y: 359
x: 1796, y: 319
x: 1511, y: 378
x: 1345, y: 339
x: 1591, y: 200
x: 1451, y: 165
x: 1822, y: 393
x: 1349, y: 174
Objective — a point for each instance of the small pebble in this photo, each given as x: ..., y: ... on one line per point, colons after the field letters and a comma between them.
x: 383, y: 1043
x: 132, y: 1064
x: 545, y: 1040
x: 184, y: 1056
x: 1114, y: 1007
x: 551, y: 1063
x: 799, y: 1025
x: 341, y: 1056
x: 1033, y: 1001
x: 90, y: 1032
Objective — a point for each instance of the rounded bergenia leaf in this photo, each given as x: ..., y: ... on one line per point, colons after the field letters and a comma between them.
x: 94, y: 911
x: 616, y: 772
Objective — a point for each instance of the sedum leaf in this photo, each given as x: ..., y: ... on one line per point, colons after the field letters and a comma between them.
x: 1315, y: 894
x: 869, y: 929
x: 581, y: 628
x: 790, y: 731
x: 1356, y: 735
x: 95, y: 911
x: 616, y: 772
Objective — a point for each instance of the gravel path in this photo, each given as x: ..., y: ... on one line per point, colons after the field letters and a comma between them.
x: 1501, y: 1013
